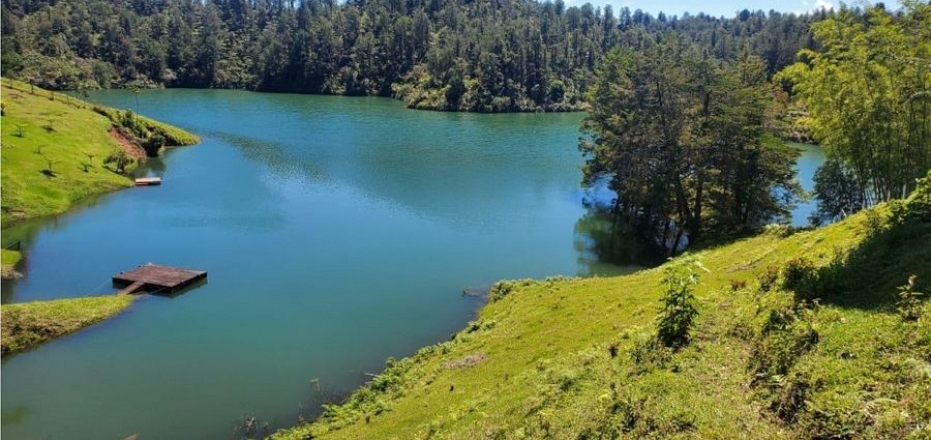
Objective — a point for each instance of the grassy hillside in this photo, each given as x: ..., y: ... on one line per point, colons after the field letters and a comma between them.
x: 798, y: 335
x: 57, y: 149
x: 8, y: 261
x: 26, y: 325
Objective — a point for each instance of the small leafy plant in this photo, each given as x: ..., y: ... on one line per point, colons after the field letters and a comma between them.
x: 907, y: 301
x: 679, y: 311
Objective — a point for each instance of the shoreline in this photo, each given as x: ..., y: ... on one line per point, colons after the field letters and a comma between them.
x: 74, y: 125
x: 580, y: 106
x: 27, y: 325
x: 65, y: 135
x: 537, y: 360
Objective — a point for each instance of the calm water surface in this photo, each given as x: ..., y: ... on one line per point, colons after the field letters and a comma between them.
x: 336, y: 231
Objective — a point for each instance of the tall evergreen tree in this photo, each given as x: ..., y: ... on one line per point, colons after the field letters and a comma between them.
x: 680, y: 137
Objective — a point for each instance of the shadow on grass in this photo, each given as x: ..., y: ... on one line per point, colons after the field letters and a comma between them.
x: 868, y: 276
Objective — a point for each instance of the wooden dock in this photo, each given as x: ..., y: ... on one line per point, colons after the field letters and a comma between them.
x: 148, y: 181
x: 155, y: 278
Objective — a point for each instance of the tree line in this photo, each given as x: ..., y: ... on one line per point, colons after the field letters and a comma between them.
x: 685, y: 139
x: 474, y: 55
x: 682, y: 110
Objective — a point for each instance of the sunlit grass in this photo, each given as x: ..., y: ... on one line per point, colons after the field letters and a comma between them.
x: 25, y: 325
x: 9, y: 259
x: 553, y: 359
x: 53, y: 151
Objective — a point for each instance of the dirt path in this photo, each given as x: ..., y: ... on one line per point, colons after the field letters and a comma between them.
x: 130, y: 147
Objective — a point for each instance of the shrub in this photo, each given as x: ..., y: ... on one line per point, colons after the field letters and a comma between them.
x: 153, y: 143
x: 874, y: 223
x: 504, y: 288
x: 777, y: 230
x: 907, y: 302
x: 918, y: 205
x: 785, y: 334
x: 808, y: 282
x: 768, y: 278
x: 648, y: 353
x: 120, y: 161
x: 679, y: 311
x: 738, y: 285
x: 790, y: 394
x: 800, y: 276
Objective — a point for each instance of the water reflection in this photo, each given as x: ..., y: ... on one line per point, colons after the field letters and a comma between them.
x: 14, y: 415
x: 600, y: 242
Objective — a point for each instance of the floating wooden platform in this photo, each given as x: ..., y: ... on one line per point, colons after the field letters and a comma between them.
x: 148, y: 181
x: 155, y: 278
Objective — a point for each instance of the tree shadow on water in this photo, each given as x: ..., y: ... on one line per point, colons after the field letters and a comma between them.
x: 601, y: 242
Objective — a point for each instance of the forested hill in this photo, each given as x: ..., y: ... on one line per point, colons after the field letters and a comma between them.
x: 479, y: 55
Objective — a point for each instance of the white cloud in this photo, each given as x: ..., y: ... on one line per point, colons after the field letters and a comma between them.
x: 823, y: 4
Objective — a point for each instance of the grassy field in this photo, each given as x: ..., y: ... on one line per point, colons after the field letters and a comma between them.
x: 26, y: 325
x: 54, y: 149
x: 579, y: 358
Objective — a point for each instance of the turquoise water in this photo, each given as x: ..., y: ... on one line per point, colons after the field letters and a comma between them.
x: 811, y: 158
x: 337, y: 232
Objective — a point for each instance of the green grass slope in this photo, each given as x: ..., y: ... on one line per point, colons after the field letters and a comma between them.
x: 799, y: 335
x: 8, y: 261
x: 26, y: 325
x: 55, y: 148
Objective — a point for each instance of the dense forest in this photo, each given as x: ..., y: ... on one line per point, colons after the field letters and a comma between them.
x: 682, y: 110
x: 476, y: 55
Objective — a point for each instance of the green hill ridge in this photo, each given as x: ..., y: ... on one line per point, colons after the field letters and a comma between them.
x: 57, y: 149
x: 799, y: 334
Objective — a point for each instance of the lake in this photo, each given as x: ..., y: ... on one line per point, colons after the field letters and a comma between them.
x: 337, y: 232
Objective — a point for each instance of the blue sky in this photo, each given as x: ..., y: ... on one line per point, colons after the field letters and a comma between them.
x: 727, y: 8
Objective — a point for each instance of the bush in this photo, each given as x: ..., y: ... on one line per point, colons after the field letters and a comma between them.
x: 154, y: 143
x: 648, y: 354
x: 800, y: 276
x: 907, y: 302
x: 120, y: 160
x: 918, y: 205
x: 768, y: 278
x: 504, y: 288
x: 790, y: 394
x: 679, y: 311
x: 785, y: 334
x: 809, y: 282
